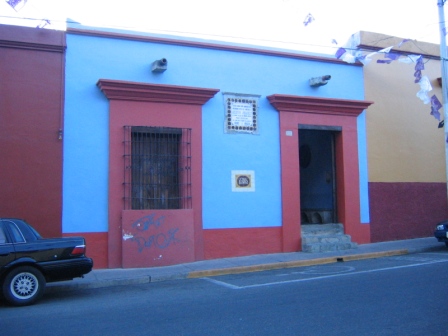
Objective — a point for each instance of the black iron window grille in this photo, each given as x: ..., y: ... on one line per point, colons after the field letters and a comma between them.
x: 157, y: 165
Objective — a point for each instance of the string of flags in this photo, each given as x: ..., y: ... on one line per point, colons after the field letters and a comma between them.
x: 17, y: 5
x: 356, y: 55
x: 308, y: 19
x: 351, y: 56
x: 423, y: 81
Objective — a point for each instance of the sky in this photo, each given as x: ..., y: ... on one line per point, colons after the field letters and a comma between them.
x: 274, y: 23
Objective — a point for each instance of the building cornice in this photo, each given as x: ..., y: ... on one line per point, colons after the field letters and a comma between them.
x: 134, y: 91
x: 206, y: 45
x: 305, y: 104
x: 17, y: 37
x: 365, y: 40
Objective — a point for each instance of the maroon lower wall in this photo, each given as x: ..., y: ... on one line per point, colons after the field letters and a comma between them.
x: 406, y: 210
x: 226, y: 243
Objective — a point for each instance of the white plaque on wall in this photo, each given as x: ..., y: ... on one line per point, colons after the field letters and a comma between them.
x: 241, y: 113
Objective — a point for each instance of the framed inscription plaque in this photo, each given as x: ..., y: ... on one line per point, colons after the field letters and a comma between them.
x: 241, y: 113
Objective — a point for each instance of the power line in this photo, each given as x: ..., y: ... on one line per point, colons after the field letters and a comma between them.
x: 252, y: 40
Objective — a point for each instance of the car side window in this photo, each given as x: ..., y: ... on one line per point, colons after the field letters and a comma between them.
x: 16, y: 235
x: 2, y: 235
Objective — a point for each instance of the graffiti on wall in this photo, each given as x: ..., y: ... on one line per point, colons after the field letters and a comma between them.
x: 150, y: 232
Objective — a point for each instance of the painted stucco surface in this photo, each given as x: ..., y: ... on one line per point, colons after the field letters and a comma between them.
x: 31, y: 93
x: 404, y: 143
x: 90, y: 58
x: 405, y: 147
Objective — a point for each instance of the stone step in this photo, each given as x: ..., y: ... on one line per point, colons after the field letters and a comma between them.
x: 325, y: 238
x: 336, y: 238
x: 334, y: 228
x: 327, y: 247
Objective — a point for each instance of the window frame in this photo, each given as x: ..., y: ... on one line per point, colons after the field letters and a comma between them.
x: 163, y: 153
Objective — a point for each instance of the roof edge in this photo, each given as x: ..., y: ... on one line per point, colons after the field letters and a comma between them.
x: 204, y: 45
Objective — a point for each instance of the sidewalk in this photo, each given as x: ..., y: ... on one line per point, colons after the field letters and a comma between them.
x: 113, y: 277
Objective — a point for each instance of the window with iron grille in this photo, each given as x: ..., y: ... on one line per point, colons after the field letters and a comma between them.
x: 157, y: 168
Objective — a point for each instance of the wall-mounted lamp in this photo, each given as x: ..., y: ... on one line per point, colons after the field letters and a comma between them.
x: 159, y: 65
x: 319, y: 81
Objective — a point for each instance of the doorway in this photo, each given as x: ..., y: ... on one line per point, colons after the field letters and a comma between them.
x: 317, y: 174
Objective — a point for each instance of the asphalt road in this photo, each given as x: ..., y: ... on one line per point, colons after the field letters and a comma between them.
x: 401, y: 295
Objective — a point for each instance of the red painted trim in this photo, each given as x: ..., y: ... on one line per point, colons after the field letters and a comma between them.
x: 138, y: 104
x: 225, y: 243
x: 347, y: 181
x: 96, y: 244
x: 295, y: 110
x: 341, y: 107
x: 214, y: 46
x: 120, y: 90
x: 291, y: 233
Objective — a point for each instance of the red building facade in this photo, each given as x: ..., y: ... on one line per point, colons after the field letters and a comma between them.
x: 32, y: 63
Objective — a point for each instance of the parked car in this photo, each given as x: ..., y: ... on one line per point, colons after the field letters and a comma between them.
x: 441, y: 232
x: 28, y: 261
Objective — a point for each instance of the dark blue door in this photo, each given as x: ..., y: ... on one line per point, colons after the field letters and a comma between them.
x: 317, y: 176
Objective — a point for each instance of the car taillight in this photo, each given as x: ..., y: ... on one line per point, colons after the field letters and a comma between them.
x: 78, y: 250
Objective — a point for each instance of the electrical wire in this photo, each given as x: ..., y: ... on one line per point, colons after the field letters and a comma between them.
x: 329, y: 46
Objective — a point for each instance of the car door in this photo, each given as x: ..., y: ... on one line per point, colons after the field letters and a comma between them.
x: 7, y: 253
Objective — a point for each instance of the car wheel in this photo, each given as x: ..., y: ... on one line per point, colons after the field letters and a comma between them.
x: 23, y: 286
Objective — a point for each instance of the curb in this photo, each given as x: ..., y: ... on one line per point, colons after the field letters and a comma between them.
x: 58, y: 287
x: 291, y: 264
x: 146, y: 279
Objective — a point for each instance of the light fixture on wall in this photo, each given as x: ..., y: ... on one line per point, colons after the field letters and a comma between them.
x: 319, y: 81
x: 159, y: 65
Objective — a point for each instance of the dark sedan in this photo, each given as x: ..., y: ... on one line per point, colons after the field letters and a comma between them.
x: 441, y: 232
x: 28, y: 261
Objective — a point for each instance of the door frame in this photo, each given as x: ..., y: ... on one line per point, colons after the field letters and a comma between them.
x: 333, y: 130
x: 343, y: 113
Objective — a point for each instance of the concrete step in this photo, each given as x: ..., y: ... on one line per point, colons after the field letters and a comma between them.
x: 327, y: 247
x: 333, y: 228
x: 336, y: 238
x: 325, y: 238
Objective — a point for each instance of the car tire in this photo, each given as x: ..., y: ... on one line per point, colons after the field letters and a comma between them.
x: 23, y: 286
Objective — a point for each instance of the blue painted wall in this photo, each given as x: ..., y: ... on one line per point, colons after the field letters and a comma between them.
x: 85, y: 174
x: 363, y: 169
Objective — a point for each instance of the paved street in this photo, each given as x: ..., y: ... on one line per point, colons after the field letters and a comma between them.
x: 397, y: 295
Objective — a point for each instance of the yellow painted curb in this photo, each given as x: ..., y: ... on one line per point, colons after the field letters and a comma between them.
x: 258, y: 268
x: 374, y: 255
x: 291, y: 264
